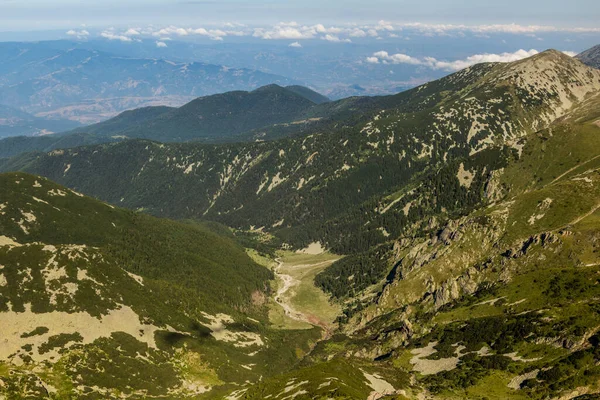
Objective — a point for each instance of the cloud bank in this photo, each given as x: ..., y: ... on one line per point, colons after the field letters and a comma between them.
x: 79, y: 34
x: 383, y: 57
x: 114, y: 36
x: 340, y: 33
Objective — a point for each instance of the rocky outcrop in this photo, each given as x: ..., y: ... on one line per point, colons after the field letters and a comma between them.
x: 544, y: 239
x: 454, y: 288
x: 493, y: 191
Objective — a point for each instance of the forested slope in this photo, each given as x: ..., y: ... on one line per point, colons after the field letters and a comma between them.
x: 90, y: 293
x: 428, y: 150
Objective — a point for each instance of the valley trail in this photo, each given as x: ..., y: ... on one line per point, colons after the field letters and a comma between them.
x: 288, y: 282
x: 297, y: 295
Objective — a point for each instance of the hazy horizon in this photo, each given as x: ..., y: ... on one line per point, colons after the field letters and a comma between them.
x: 43, y: 15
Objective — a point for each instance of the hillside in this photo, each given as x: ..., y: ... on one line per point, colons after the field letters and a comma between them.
x: 466, y: 210
x: 312, y: 187
x: 81, y: 279
x: 590, y: 57
x: 107, y: 131
x: 16, y: 145
x: 270, y: 113
x: 309, y: 94
x: 266, y: 114
x: 131, y: 119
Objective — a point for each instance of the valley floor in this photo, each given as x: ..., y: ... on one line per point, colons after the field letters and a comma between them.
x: 297, y: 295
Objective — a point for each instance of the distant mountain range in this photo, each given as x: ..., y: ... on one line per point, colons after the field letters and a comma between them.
x: 50, y: 80
x: 15, y: 122
x: 590, y: 57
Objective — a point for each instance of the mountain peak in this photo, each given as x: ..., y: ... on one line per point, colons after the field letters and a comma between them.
x: 553, y: 78
x: 550, y: 55
x: 299, y: 90
x: 273, y: 87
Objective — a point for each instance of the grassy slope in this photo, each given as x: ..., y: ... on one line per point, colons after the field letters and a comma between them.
x: 187, y: 270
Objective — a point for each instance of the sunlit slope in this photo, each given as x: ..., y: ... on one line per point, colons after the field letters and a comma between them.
x: 500, y: 303
x: 97, y: 301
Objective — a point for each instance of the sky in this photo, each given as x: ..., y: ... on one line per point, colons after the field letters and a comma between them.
x: 27, y: 15
x: 430, y: 35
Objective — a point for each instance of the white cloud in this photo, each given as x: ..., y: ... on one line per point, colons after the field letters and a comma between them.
x: 171, y: 30
x: 335, y: 39
x: 570, y: 53
x: 384, y: 25
x: 356, y: 32
x: 161, y: 44
x: 214, y: 34
x: 132, y: 32
x: 321, y: 29
x: 294, y: 31
x: 112, y: 36
x: 199, y: 31
x: 286, y: 30
x: 385, y: 58
x: 295, y: 44
x: 79, y: 34
x: 481, y: 58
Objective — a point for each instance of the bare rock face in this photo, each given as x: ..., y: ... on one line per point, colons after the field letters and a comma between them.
x: 493, y: 190
x: 450, y: 233
x: 453, y: 289
x: 391, y: 338
x: 446, y: 293
x: 468, y: 283
x: 544, y: 239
